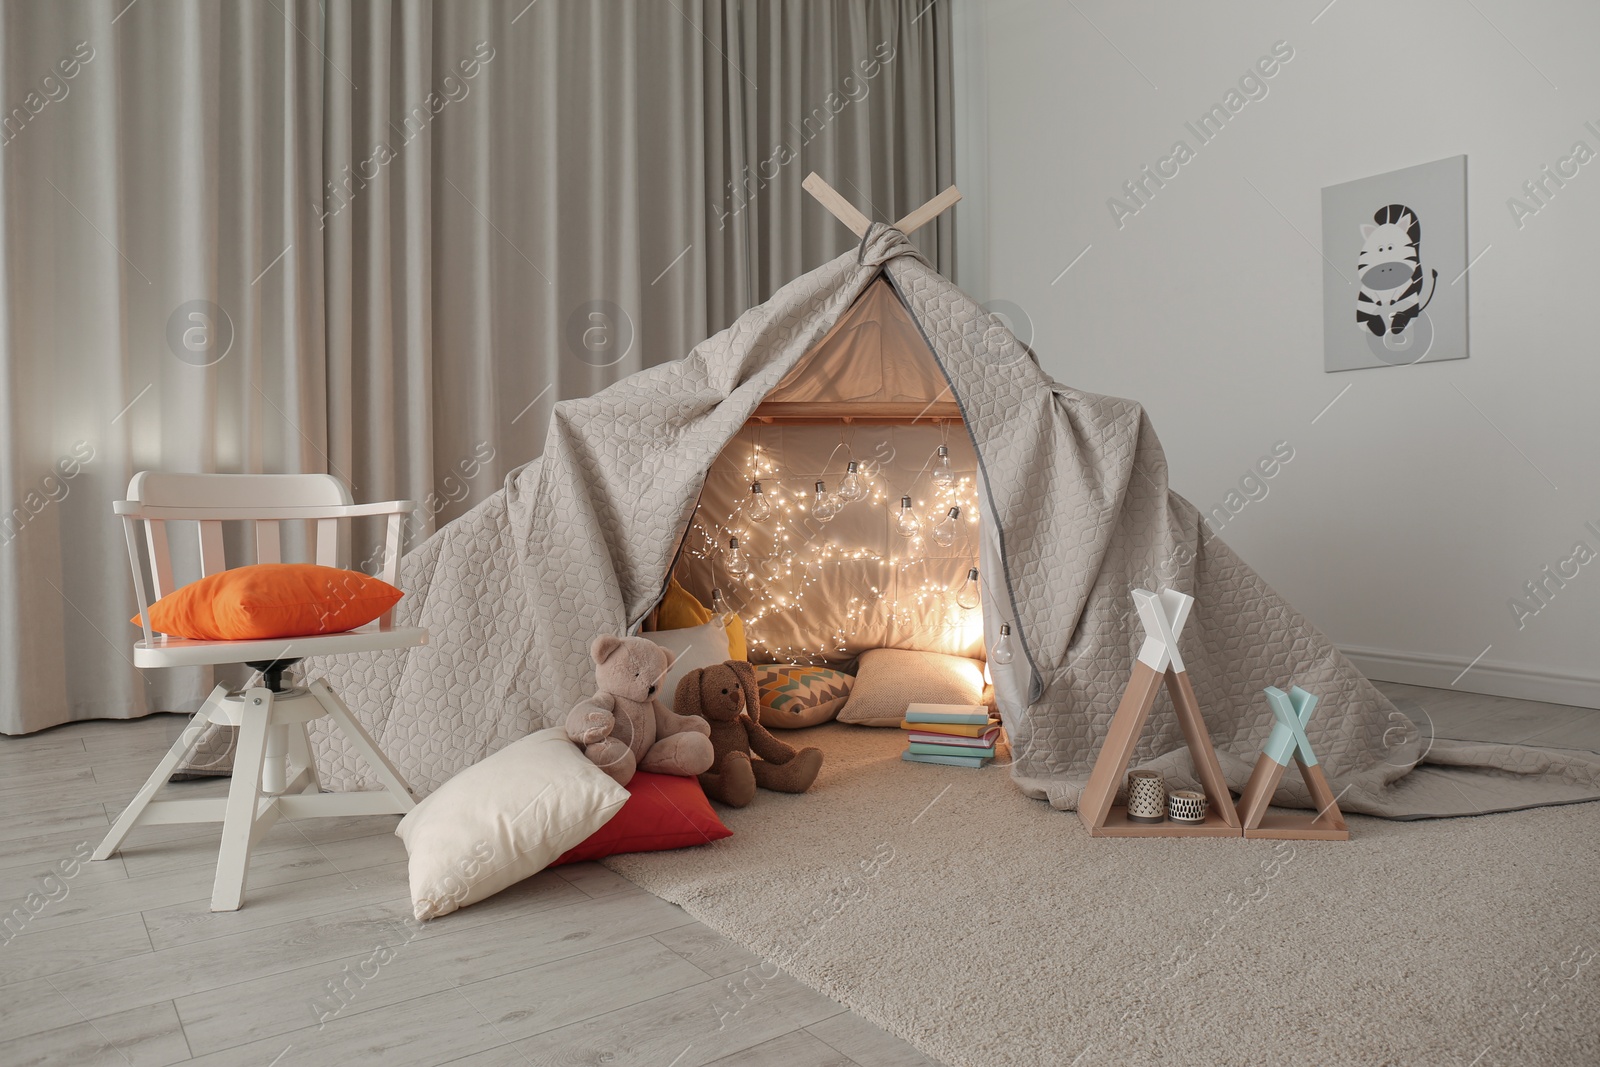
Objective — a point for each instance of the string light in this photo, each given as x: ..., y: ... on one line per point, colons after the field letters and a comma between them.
x: 944, y: 531
x: 1001, y: 653
x: 942, y: 474
x: 967, y: 599
x: 851, y: 487
x: 905, y: 524
x: 757, y: 509
x: 823, y: 506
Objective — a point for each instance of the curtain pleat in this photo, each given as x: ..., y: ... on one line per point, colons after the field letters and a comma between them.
x: 409, y: 228
x: 161, y: 310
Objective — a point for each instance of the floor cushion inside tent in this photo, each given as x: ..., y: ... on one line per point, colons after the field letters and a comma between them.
x: 1074, y: 512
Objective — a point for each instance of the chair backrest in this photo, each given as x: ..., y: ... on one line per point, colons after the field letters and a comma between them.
x: 261, y: 502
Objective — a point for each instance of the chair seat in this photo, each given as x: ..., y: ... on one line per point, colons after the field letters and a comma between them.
x: 184, y: 652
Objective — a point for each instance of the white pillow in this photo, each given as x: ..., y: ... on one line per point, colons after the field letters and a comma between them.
x: 504, y: 819
x: 705, y: 645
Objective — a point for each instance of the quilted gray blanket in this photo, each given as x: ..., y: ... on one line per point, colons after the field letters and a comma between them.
x: 1076, y: 503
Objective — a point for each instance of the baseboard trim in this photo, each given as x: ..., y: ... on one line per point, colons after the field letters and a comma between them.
x: 1494, y: 677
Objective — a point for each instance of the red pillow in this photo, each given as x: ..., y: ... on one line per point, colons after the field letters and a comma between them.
x: 663, y: 811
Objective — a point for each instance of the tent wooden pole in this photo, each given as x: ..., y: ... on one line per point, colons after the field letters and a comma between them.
x: 859, y: 411
x: 847, y: 213
x: 852, y: 420
x: 929, y: 211
x: 837, y: 205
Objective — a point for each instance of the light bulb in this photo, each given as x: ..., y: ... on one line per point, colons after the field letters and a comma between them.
x: 850, y: 487
x: 1001, y: 653
x: 944, y: 531
x: 718, y: 605
x: 967, y: 598
x: 943, y: 476
x: 736, y: 562
x: 905, y: 524
x: 823, y: 506
x: 756, y: 509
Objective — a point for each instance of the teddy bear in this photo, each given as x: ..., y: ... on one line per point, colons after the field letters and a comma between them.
x: 725, y: 695
x: 624, y: 728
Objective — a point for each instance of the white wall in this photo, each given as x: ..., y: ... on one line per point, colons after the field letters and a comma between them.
x: 1409, y: 517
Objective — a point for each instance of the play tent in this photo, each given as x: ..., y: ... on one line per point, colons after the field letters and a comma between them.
x: 1075, y: 513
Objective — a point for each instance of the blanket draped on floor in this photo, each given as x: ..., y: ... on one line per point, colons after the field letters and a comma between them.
x: 1074, y: 487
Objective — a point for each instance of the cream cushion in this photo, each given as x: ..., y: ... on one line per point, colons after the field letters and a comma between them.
x: 691, y: 647
x: 887, y: 679
x: 502, y: 820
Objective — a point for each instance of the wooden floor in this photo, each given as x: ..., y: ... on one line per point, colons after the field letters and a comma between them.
x: 123, y: 963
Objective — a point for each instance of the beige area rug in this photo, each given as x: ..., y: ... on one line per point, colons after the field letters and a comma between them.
x: 986, y: 928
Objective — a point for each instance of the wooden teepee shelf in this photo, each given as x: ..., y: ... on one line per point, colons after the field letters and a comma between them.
x: 1293, y: 711
x: 1158, y: 664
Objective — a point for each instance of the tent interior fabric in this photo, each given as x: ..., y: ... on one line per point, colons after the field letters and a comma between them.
x: 873, y: 363
x: 1075, y: 512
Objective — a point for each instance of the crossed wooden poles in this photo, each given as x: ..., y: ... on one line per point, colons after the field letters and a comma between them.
x: 1159, y: 662
x: 847, y: 213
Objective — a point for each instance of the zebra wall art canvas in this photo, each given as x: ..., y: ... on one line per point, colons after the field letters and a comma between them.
x: 1394, y: 289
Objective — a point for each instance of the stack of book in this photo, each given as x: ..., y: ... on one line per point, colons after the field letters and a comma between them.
x: 955, y: 735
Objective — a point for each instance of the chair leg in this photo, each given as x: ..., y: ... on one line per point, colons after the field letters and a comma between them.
x: 180, y: 750
x: 302, y: 764
x: 394, y: 784
x: 239, y: 823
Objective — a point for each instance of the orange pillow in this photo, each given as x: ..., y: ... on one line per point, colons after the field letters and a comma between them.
x: 272, y: 600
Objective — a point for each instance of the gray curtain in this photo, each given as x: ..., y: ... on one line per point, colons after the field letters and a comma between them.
x: 408, y: 228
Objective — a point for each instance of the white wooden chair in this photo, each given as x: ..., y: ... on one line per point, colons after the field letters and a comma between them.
x: 274, y: 774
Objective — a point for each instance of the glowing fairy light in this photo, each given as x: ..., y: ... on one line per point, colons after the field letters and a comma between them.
x: 852, y: 486
x: 824, y: 506
x: 967, y: 598
x: 905, y: 523
x: 782, y: 554
x: 735, y: 560
x: 1002, y: 652
x: 757, y: 509
x: 941, y: 472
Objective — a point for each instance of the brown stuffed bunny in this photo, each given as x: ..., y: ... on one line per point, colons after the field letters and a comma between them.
x: 726, y: 697
x: 623, y: 727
